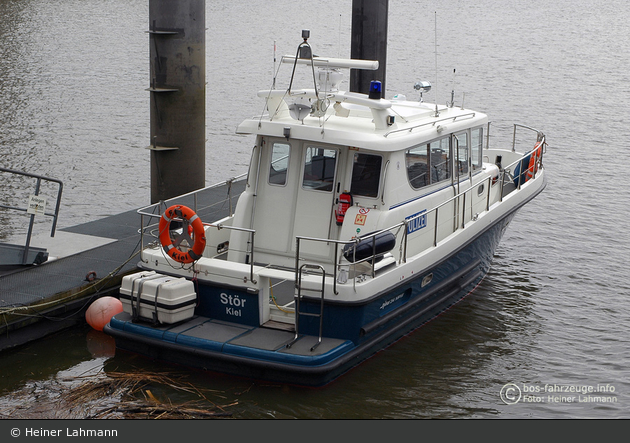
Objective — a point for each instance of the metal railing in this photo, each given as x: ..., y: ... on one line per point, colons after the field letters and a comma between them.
x: 540, y: 135
x: 155, y: 211
x: 433, y: 123
x: 521, y: 177
x: 460, y: 221
x: 146, y: 210
x: 54, y: 215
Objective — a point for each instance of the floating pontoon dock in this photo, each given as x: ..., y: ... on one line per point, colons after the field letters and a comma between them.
x: 85, y: 262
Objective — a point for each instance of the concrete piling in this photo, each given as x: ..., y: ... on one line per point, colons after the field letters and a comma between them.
x: 369, y: 42
x: 178, y: 96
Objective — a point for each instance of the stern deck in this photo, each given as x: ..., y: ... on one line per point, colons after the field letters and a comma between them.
x: 225, y: 338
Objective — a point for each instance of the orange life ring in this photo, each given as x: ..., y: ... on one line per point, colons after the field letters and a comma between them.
x: 533, y: 161
x: 198, y: 234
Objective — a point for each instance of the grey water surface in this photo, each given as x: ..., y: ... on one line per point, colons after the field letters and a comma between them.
x: 552, y: 316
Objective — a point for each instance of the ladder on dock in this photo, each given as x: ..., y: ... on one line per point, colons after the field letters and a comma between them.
x: 11, y: 255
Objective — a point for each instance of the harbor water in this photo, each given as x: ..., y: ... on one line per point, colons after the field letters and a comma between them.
x: 545, y: 335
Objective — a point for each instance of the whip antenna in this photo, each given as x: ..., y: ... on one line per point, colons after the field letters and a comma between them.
x: 437, y: 113
x: 274, y: 66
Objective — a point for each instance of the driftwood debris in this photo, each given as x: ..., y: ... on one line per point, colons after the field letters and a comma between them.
x: 137, y: 399
x: 117, y: 395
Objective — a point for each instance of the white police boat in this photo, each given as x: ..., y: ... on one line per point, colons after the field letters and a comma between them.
x: 360, y: 220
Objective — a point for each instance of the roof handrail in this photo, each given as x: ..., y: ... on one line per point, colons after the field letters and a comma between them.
x: 433, y: 123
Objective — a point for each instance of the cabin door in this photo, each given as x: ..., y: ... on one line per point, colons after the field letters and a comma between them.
x: 316, y: 193
x: 276, y: 194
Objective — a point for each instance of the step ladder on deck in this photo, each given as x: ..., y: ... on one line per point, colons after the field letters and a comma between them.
x: 314, y: 269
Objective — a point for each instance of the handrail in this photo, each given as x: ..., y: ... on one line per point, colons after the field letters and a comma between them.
x: 460, y: 221
x: 541, y: 138
x: 433, y: 123
x: 403, y: 245
x: 39, y: 178
x: 54, y: 215
x: 144, y: 212
x: 540, y: 134
x: 250, y: 249
x: 397, y: 226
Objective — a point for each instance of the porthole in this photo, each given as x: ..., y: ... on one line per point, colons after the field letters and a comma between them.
x: 480, y: 190
x: 426, y: 280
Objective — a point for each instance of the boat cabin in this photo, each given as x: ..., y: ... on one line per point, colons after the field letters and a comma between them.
x: 349, y: 166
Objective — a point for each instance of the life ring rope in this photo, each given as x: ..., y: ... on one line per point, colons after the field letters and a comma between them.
x: 193, y: 233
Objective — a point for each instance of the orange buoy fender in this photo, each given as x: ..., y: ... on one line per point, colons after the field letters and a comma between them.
x: 101, y: 311
x: 198, y: 234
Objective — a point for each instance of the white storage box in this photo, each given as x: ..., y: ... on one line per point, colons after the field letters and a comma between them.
x: 158, y: 298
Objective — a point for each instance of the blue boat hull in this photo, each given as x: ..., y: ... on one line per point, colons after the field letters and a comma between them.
x: 360, y: 329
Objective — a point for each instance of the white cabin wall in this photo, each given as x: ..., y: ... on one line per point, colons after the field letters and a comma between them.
x: 242, y: 213
x: 239, y: 239
x: 397, y: 188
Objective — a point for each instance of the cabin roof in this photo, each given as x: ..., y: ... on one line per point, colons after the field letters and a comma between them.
x: 355, y: 120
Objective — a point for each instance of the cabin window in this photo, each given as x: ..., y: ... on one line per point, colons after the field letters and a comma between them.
x: 429, y: 163
x: 279, y: 164
x: 461, y: 145
x: 440, y: 153
x: 319, y: 168
x: 417, y: 166
x: 366, y: 175
x: 476, y: 141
